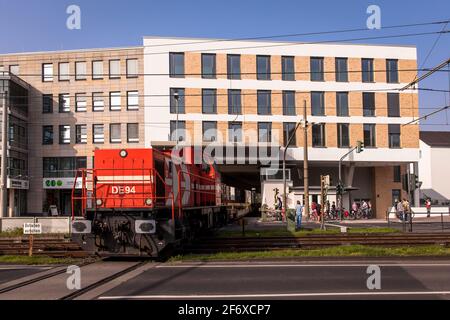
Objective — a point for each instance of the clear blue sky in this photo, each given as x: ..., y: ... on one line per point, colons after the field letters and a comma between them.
x: 39, y: 25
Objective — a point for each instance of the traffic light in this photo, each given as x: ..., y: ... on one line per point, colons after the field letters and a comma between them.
x: 359, y: 147
x: 340, y: 188
x: 416, y: 183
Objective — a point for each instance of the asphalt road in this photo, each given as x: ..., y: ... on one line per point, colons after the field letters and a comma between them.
x: 10, y: 273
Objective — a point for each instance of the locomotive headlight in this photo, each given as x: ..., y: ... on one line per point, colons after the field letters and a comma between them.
x: 99, y: 202
x: 148, y: 202
x: 123, y: 153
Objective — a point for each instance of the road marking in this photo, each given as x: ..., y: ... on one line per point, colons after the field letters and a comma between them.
x: 305, y: 265
x: 276, y: 295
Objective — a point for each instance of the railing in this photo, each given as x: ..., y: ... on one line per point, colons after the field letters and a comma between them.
x: 419, y: 218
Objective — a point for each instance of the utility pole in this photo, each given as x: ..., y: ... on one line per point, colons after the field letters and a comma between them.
x: 305, y: 160
x: 4, y: 155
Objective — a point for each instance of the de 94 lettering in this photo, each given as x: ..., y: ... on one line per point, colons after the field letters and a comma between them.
x: 242, y: 309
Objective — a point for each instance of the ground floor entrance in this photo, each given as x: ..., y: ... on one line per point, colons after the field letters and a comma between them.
x: 61, y: 200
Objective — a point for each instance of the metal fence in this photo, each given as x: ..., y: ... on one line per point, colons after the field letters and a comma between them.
x: 418, y: 221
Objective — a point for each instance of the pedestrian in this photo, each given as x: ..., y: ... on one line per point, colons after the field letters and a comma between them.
x: 333, y: 210
x: 369, y: 209
x: 280, y: 207
x: 428, y: 205
x: 298, y: 215
x: 406, y: 209
x: 400, y: 210
x: 354, y: 208
x: 314, y: 209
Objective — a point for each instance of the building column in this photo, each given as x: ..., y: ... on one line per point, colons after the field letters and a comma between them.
x: 11, y: 193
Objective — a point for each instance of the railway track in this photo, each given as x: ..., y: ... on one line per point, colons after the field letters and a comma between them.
x: 53, y: 247
x: 214, y: 245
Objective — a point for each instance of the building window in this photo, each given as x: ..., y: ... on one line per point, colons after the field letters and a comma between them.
x: 264, y: 102
x: 176, y: 61
x: 396, y: 196
x: 392, y: 71
x: 289, y: 103
x: 98, y: 103
x: 114, y: 69
x: 394, y: 135
x: 393, y: 102
x: 133, y: 132
x: 235, y: 132
x: 234, y: 101
x: 263, y: 67
x: 288, y: 68
x: 114, y: 101
x: 341, y: 70
x: 316, y: 69
x: 342, y: 104
x: 209, y: 131
x: 115, y: 133
x: 397, y: 174
x: 64, y: 134
x: 367, y: 70
x: 343, y: 135
x: 132, y: 68
x: 368, y: 104
x: 288, y: 132
x: 64, y: 103
x: 47, y: 72
x: 173, y: 101
x: 234, y: 66
x: 80, y: 102
x: 97, y: 70
x: 47, y: 135
x: 81, y: 134
x: 177, y: 130
x: 264, y: 132
x: 47, y: 103
x: 64, y: 167
x: 208, y: 66
x: 369, y: 135
x: 317, y: 103
x: 209, y: 101
x: 98, y: 133
x: 64, y: 71
x: 14, y: 69
x: 80, y: 71
x: 318, y: 135
x: 132, y: 100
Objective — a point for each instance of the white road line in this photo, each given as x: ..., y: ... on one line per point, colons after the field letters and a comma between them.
x: 306, y: 265
x: 277, y: 295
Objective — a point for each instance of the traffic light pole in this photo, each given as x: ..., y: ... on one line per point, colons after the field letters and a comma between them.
x: 340, y: 178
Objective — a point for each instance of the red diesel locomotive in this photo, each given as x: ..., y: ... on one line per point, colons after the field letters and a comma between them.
x: 141, y: 202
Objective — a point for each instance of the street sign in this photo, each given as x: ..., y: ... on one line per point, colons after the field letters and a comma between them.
x: 32, y: 228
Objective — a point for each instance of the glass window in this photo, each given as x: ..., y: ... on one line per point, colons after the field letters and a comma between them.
x: 209, y: 101
x: 317, y: 69
x: 115, y: 133
x: 64, y: 102
x: 317, y: 103
x: 98, y: 133
x: 341, y: 70
x: 177, y: 130
x: 263, y: 67
x: 264, y: 132
x: 176, y: 62
x: 80, y: 102
x: 114, y: 69
x: 234, y: 101
x: 133, y: 100
x: 114, y: 101
x: 289, y: 131
x: 64, y: 71
x: 132, y: 68
x: 342, y: 104
x: 47, y: 103
x: 397, y: 174
x: 80, y: 71
x: 318, y: 135
x: 343, y: 135
x: 80, y: 133
x: 209, y: 131
x: 368, y: 104
x: 367, y: 70
x: 369, y: 135
x: 234, y: 66
x: 133, y: 132
x: 47, y: 135
x: 392, y: 71
x: 289, y: 103
x: 394, y: 135
x: 98, y: 103
x: 264, y: 102
x: 47, y: 72
x: 97, y: 70
x: 235, y: 132
x: 174, y: 93
x: 288, y: 68
x: 208, y: 65
x: 64, y: 134
x: 393, y: 102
